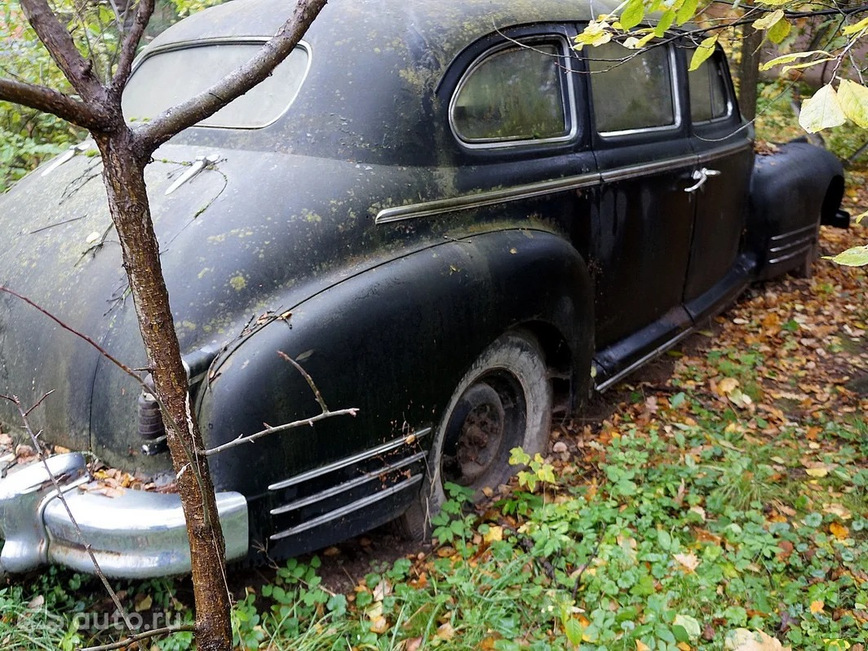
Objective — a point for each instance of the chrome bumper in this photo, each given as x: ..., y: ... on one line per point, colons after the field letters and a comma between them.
x: 136, y: 535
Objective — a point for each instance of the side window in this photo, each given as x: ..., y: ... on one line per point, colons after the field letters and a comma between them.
x: 630, y: 90
x: 514, y: 94
x: 708, y: 96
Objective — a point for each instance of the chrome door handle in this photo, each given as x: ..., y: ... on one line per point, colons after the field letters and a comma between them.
x: 701, y: 176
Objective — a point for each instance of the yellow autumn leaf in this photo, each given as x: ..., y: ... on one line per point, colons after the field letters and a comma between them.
x: 741, y: 639
x: 816, y: 472
x: 853, y: 99
x: 494, y: 533
x: 853, y: 257
x: 817, y: 606
x: 727, y: 385
x: 641, y: 646
x: 839, y: 531
x: 789, y: 58
x: 684, y: 646
x: 821, y: 111
x: 702, y: 52
x: 858, y: 27
x: 768, y: 20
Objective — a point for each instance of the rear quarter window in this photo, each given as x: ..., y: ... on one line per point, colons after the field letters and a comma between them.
x: 168, y: 77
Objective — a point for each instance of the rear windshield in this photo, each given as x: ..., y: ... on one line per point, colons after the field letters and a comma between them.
x: 169, y: 77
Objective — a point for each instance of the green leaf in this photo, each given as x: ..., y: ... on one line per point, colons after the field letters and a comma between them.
x: 821, y: 111
x: 685, y: 11
x: 779, y: 31
x: 574, y: 631
x: 769, y: 20
x: 701, y: 53
x: 664, y: 23
x: 632, y: 14
x: 853, y: 99
x: 690, y: 625
x: 855, y: 257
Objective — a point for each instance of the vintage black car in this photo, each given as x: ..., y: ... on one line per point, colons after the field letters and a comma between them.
x: 450, y: 218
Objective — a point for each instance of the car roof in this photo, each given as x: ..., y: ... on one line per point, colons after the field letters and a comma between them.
x: 449, y: 25
x: 375, y: 67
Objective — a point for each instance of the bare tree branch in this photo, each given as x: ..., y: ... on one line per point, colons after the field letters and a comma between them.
x: 87, y: 116
x: 61, y: 47
x: 131, y: 43
x: 154, y: 133
x: 126, y: 369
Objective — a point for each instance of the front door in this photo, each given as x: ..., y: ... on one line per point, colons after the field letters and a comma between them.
x: 642, y: 232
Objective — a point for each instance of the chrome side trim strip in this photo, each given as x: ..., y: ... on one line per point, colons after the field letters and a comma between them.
x: 485, y: 198
x: 349, y: 508
x: 348, y: 485
x: 723, y: 152
x: 802, y: 241
x: 654, y: 353
x: 643, y: 169
x: 349, y: 461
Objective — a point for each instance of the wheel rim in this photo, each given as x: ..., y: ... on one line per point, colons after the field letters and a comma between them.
x: 488, y: 420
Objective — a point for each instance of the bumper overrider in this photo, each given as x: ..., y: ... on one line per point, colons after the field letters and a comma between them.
x: 136, y: 534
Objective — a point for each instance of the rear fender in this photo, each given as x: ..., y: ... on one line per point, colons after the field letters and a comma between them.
x: 393, y: 342
x: 793, y: 191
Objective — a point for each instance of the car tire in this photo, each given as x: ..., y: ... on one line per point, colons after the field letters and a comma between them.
x: 502, y: 402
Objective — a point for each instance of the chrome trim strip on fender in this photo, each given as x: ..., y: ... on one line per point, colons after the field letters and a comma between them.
x: 349, y: 461
x: 799, y: 231
x: 348, y: 485
x: 632, y: 367
x: 349, y: 508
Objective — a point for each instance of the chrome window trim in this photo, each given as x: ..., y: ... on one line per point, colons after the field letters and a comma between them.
x: 247, y: 40
x: 730, y: 105
x: 676, y: 107
x: 565, y: 73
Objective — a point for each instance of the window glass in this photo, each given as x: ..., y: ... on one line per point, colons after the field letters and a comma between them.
x: 630, y: 90
x: 707, y: 91
x: 515, y: 94
x: 173, y: 76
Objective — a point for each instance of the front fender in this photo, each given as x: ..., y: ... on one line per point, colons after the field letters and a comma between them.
x: 392, y: 341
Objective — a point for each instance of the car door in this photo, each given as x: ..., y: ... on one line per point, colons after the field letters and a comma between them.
x: 642, y: 230
x: 720, y: 189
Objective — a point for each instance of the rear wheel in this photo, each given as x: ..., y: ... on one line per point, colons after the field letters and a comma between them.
x: 504, y: 401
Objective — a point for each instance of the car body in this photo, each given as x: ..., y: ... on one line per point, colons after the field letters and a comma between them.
x: 451, y: 219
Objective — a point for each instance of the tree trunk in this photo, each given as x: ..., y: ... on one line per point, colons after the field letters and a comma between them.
x: 123, y: 174
x: 748, y: 70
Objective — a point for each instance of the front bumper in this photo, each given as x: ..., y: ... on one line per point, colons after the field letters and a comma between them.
x: 136, y: 534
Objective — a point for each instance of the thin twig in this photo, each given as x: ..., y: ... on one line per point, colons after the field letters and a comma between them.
x: 308, y: 379
x: 138, y: 637
x: 352, y: 411
x: 587, y: 563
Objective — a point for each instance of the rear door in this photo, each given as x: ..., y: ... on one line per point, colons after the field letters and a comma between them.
x: 720, y: 189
